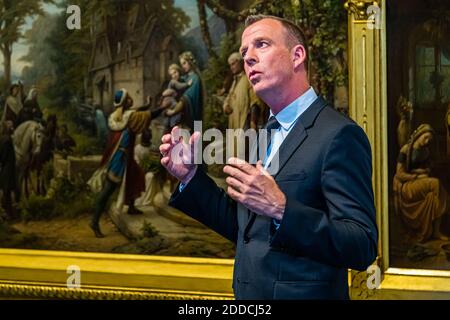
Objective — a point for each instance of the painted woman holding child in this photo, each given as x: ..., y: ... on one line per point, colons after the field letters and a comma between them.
x: 192, y: 97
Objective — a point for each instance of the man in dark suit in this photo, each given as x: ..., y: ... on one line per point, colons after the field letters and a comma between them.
x: 305, y: 214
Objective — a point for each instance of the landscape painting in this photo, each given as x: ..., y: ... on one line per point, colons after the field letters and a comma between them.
x: 74, y: 75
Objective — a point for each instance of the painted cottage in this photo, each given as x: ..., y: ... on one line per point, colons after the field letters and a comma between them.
x: 130, y: 51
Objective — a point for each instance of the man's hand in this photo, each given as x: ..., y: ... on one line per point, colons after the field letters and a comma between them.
x: 255, y: 188
x: 178, y: 156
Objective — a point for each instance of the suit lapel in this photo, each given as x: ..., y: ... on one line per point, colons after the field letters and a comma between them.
x: 253, y: 158
x: 296, y: 136
x: 291, y: 143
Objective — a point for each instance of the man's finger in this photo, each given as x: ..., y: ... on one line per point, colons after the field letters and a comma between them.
x: 165, y: 161
x: 236, y: 173
x: 193, y: 143
x: 167, y: 138
x: 242, y: 165
x: 236, y: 184
x: 164, y: 148
x: 261, y: 169
x: 194, y: 137
x: 235, y: 195
x: 175, y: 135
x: 193, y: 140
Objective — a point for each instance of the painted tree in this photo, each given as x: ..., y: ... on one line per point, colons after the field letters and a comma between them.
x: 72, y: 48
x: 13, y: 14
x: 204, y: 28
x: 40, y: 70
x: 170, y: 17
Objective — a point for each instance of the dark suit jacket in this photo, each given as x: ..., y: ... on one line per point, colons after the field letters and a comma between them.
x: 325, y: 169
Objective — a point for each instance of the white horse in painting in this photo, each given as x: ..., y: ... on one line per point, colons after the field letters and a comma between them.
x: 27, y: 140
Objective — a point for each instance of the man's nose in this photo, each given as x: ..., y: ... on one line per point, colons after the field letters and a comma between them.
x: 250, y: 58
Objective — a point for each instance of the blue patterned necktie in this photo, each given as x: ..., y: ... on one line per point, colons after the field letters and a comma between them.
x: 272, y: 124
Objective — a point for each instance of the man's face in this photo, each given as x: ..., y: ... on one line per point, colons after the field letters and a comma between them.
x: 235, y: 67
x: 267, y: 60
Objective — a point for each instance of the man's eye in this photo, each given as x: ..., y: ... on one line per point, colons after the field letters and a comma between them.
x: 261, y: 44
x: 243, y: 52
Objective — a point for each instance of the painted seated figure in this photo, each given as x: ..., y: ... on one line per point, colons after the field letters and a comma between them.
x: 420, y: 200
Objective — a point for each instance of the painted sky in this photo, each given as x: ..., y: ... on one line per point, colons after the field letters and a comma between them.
x: 190, y: 8
x: 20, y: 48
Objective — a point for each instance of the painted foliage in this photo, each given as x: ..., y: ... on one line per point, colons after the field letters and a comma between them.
x: 91, y: 86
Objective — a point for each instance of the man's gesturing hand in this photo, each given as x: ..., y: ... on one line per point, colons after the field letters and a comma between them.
x: 255, y: 188
x: 178, y: 156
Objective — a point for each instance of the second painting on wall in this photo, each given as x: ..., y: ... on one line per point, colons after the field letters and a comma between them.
x: 418, y: 59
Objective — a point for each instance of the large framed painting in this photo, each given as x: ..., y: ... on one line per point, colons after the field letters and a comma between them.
x: 75, y: 76
x: 66, y: 67
x: 400, y: 94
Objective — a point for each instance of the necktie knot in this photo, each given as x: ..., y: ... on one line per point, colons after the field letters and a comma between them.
x: 272, y: 124
x: 264, y: 144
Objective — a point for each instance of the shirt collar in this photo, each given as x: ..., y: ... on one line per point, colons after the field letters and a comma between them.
x: 289, y: 115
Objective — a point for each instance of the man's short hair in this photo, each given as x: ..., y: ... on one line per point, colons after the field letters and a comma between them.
x: 235, y: 56
x: 294, y: 34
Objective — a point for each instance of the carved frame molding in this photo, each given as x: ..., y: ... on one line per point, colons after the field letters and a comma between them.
x: 367, y: 59
x: 43, y: 274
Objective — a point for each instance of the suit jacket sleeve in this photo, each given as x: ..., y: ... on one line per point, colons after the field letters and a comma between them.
x: 344, y: 235
x: 204, y: 201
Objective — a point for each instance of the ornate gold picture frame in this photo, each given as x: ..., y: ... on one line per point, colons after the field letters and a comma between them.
x: 49, y: 274
x: 368, y: 86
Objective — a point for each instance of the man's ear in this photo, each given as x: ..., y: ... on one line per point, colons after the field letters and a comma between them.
x: 298, y: 55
